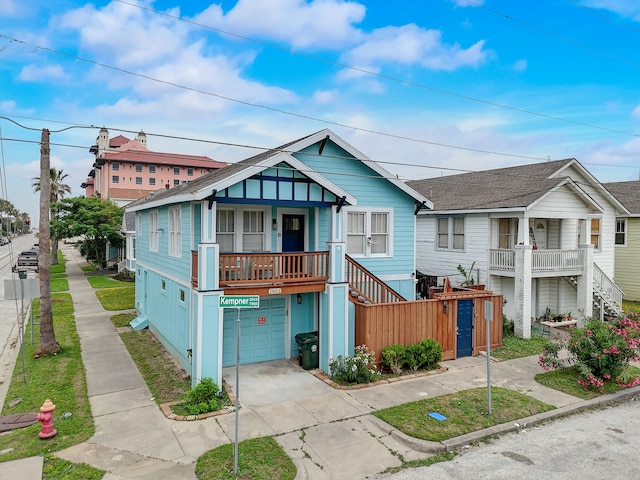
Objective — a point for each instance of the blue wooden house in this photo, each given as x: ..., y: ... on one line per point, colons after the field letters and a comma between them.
x: 311, y: 227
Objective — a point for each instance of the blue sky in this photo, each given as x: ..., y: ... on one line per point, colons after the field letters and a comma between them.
x: 425, y: 87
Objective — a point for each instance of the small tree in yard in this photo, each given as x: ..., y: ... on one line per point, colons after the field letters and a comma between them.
x: 96, y: 220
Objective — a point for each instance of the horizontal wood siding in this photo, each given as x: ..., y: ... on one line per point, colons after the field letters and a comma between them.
x: 404, y: 323
x: 443, y: 263
x: 371, y: 191
x: 627, y: 275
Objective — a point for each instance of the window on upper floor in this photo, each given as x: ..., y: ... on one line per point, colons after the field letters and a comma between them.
x: 253, y: 231
x: 507, y: 232
x: 225, y: 230
x: 190, y: 172
x: 596, y: 232
x: 138, y: 167
x: 176, y: 170
x: 369, y: 232
x: 138, y: 180
x: 115, y: 166
x: 152, y: 181
x: 176, y: 182
x: 621, y: 231
x: 115, y: 179
x: 450, y: 233
x: 152, y: 169
x: 139, y: 224
x: 153, y: 231
x: 175, y: 232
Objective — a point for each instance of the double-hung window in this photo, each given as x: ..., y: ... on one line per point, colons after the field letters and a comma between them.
x: 253, y: 231
x: 507, y: 232
x: 450, y: 233
x: 621, y: 231
x: 596, y: 232
x: 225, y: 230
x: 369, y: 232
x: 175, y: 232
x: 153, y: 231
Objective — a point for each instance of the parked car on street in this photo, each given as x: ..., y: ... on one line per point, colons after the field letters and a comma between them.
x: 5, y: 241
x: 27, y: 260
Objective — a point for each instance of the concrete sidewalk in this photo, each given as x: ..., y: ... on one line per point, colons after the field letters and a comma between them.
x: 329, y: 433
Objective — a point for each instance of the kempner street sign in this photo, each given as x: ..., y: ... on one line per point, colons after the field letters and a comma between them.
x: 240, y: 301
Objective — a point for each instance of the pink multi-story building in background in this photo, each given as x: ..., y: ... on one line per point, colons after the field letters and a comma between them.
x: 125, y: 170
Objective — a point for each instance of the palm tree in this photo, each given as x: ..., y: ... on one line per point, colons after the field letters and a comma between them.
x: 58, y: 190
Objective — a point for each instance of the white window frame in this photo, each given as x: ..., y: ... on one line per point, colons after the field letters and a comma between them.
x: 175, y: 231
x: 239, y: 233
x: 368, y: 234
x: 153, y: 231
x: 228, y: 212
x: 621, y: 222
x: 139, y: 224
x: 450, y: 233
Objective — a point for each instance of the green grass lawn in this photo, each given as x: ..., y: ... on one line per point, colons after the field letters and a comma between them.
x: 122, y: 319
x: 515, y: 347
x: 466, y: 412
x: 58, y: 377
x: 121, y: 298
x: 105, y: 281
x: 258, y: 459
x: 165, y: 380
x: 59, y: 285
x: 566, y: 380
x: 88, y: 268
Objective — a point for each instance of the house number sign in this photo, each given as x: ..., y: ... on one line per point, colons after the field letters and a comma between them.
x: 275, y: 291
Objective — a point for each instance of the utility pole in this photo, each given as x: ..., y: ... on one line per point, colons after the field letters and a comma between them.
x: 48, y: 344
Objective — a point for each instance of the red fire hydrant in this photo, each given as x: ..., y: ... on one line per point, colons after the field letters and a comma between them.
x: 46, y: 418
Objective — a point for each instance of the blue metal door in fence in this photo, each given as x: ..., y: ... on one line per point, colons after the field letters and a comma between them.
x: 465, y: 328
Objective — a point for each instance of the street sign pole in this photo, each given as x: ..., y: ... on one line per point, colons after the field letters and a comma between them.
x: 238, y: 302
x: 235, y: 445
x: 488, y: 315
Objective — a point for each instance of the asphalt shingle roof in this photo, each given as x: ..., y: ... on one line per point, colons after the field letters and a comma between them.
x: 627, y: 193
x: 509, y: 187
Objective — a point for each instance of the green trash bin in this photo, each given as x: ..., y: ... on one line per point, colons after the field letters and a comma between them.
x: 307, y: 350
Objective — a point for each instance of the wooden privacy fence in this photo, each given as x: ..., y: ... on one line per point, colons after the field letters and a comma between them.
x: 404, y: 323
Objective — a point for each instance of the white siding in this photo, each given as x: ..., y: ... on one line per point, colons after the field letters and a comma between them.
x: 443, y: 263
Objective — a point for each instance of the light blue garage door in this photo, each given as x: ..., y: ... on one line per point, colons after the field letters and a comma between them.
x: 262, y: 332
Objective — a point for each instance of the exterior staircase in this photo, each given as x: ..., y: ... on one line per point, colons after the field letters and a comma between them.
x: 607, y: 296
x: 365, y: 287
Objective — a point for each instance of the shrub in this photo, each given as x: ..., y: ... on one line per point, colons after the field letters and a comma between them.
x: 432, y: 353
x: 507, y: 326
x: 359, y: 368
x: 600, y: 351
x: 415, y: 356
x: 393, y: 357
x: 203, y: 398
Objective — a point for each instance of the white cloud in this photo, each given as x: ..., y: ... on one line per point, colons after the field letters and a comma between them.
x: 520, y: 65
x: 36, y: 73
x: 8, y: 8
x: 625, y: 8
x: 323, y: 97
x: 410, y: 44
x: 319, y: 24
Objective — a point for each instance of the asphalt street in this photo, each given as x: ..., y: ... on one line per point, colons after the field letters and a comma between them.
x: 589, y: 446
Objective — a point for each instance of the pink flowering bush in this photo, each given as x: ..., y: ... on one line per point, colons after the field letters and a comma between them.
x: 600, y: 351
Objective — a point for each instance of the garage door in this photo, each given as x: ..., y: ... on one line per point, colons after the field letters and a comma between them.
x: 262, y: 332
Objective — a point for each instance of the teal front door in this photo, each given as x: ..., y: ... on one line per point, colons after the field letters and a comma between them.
x: 262, y: 332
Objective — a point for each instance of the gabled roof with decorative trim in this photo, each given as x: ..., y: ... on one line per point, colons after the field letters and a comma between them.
x: 223, y: 178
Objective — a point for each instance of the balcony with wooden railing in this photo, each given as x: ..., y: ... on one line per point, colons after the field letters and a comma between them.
x: 369, y: 287
x: 269, y: 270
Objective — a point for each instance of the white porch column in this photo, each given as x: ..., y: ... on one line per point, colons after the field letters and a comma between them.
x: 523, y: 231
x: 208, y: 222
x: 522, y: 293
x: 585, y: 286
x: 208, y: 266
